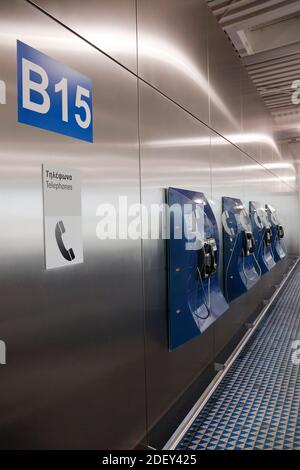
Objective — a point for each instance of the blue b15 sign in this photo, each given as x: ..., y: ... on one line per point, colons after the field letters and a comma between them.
x: 53, y: 96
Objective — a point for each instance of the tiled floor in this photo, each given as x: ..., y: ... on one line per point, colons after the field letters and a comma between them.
x: 256, y: 406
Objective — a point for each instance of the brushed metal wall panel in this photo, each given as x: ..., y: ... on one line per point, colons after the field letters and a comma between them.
x: 253, y: 180
x: 184, y: 53
x: 75, y: 371
x: 174, y: 152
x: 225, y: 96
x: 284, y: 165
x: 172, y: 50
x: 227, y: 168
x: 108, y: 24
x: 257, y: 139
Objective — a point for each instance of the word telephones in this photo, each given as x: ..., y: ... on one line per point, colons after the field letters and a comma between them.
x: 68, y: 254
x: 207, y: 258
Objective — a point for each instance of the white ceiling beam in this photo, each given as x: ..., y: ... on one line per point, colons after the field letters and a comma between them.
x: 277, y: 53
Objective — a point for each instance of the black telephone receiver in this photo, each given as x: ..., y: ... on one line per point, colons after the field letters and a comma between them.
x: 268, y: 236
x: 280, y: 231
x: 207, y: 259
x: 59, y: 231
x: 248, y: 243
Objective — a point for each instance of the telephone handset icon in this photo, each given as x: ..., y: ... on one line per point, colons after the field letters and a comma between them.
x: 68, y: 254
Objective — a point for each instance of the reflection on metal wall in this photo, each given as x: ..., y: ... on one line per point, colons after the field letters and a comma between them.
x: 75, y: 376
x: 109, y: 25
x: 74, y: 335
x: 172, y: 52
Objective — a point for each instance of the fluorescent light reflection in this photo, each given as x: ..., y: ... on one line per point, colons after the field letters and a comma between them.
x: 247, y: 138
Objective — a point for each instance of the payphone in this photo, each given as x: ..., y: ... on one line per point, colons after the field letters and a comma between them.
x: 194, y: 296
x: 241, y: 268
x: 263, y: 236
x: 277, y: 244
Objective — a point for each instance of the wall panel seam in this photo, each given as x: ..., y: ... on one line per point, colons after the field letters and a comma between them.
x: 142, y: 247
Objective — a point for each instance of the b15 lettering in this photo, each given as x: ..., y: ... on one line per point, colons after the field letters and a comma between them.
x: 52, y: 96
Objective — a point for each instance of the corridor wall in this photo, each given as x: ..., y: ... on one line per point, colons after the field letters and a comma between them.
x: 88, y: 361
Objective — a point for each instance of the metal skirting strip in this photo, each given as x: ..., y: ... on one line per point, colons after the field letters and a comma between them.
x: 198, y: 432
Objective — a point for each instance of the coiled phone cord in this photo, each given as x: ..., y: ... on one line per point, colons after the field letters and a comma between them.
x: 207, y: 303
x: 229, y: 261
x: 257, y: 264
x: 243, y: 266
x: 271, y: 249
x: 281, y: 242
x: 265, y: 250
x: 261, y: 241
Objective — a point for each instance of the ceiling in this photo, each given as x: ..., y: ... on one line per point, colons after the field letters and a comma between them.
x: 266, y: 35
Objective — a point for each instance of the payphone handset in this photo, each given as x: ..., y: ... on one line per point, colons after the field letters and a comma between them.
x: 267, y: 234
x: 201, y: 241
x: 280, y: 231
x: 248, y: 243
x: 248, y: 238
x: 207, y: 258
